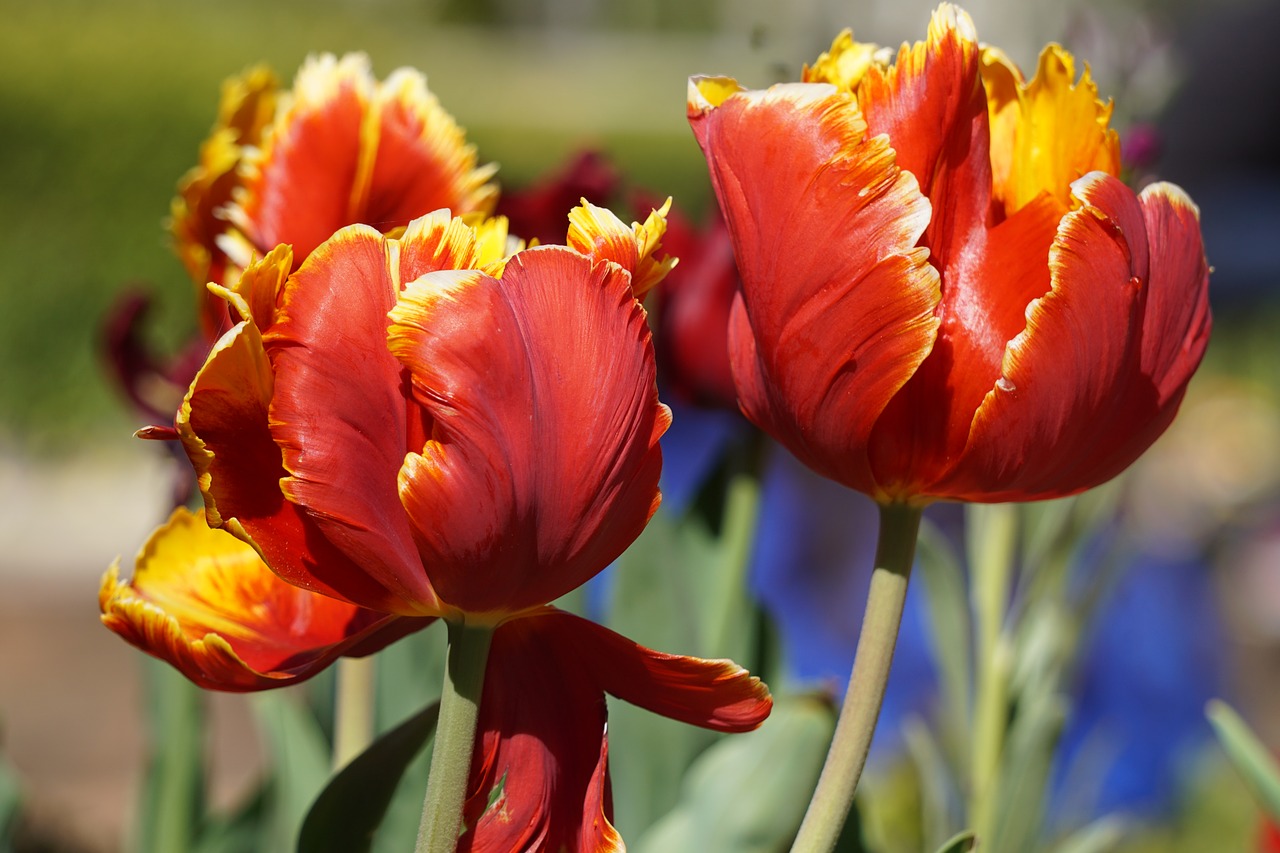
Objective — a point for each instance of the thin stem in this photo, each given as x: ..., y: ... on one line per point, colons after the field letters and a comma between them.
x: 353, y: 711
x: 455, y: 736
x: 899, y: 526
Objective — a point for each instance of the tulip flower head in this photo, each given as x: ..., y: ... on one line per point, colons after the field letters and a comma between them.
x: 294, y: 166
x: 947, y: 292
x: 422, y: 426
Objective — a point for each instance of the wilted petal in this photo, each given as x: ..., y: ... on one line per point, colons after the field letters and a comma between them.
x: 1105, y: 358
x: 543, y: 462
x: 203, y: 601
x: 714, y: 694
x: 838, y: 303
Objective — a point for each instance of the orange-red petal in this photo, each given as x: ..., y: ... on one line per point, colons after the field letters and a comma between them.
x: 1106, y: 355
x: 543, y: 461
x: 203, y: 601
x: 541, y: 747
x: 837, y: 307
x: 340, y: 413
x: 224, y: 425
x: 349, y: 150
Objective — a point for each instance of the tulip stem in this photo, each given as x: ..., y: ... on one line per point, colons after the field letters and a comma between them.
x: 455, y: 737
x: 353, y: 709
x: 895, y: 550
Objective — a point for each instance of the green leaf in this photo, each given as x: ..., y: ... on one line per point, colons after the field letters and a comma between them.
x: 300, y: 763
x: 348, y: 811
x: 243, y: 830
x: 10, y: 801
x: 951, y: 629
x: 1102, y: 835
x: 1251, y: 759
x: 172, y: 805
x: 749, y: 792
x: 961, y: 842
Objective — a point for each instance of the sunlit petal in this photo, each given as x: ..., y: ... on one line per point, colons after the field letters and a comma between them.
x: 204, y: 601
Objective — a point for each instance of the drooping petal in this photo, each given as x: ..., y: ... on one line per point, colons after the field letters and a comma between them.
x: 837, y: 307
x: 543, y: 462
x: 714, y: 694
x: 1104, y: 361
x: 339, y: 410
x: 541, y: 752
x: 539, y: 776
x: 203, y: 601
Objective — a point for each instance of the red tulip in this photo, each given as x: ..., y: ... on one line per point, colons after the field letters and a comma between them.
x: 946, y: 292
x: 419, y: 427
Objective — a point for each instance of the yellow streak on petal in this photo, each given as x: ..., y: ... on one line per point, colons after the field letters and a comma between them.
x: 1048, y: 132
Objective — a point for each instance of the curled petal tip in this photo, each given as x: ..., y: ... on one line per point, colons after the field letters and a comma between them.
x: 706, y: 93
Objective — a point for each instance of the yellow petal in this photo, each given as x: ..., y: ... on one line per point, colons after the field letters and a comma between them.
x: 845, y: 63
x: 1048, y: 132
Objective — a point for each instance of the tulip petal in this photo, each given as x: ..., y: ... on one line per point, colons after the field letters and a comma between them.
x: 713, y: 694
x: 837, y: 306
x: 299, y: 186
x: 422, y: 162
x: 204, y: 601
x: 224, y: 428
x: 539, y: 776
x: 339, y: 397
x: 1103, y: 363
x: 350, y: 150
x: 1046, y: 133
x: 196, y: 214
x: 543, y: 462
x: 600, y: 235
x: 542, y: 748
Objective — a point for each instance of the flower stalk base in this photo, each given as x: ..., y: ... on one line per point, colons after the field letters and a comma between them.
x: 895, y: 550
x: 455, y: 737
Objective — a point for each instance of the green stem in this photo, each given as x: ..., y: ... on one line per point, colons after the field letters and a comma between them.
x: 353, y: 711
x: 455, y: 737
x: 899, y: 526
